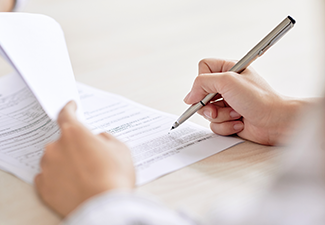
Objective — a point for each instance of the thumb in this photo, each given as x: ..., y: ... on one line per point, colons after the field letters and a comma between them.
x: 68, y: 113
x: 209, y: 83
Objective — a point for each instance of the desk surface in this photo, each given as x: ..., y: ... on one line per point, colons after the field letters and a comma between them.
x: 148, y: 51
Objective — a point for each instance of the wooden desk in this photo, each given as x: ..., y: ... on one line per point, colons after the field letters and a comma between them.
x: 148, y: 51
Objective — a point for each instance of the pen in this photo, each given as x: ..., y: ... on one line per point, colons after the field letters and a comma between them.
x: 242, y: 64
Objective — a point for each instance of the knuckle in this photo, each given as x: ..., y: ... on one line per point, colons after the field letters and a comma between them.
x: 202, y: 62
x: 200, y: 79
x: 228, y: 76
x: 206, y: 65
x: 225, y: 79
x: 197, y: 81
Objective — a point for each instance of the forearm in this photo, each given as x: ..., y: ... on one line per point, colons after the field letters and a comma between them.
x: 7, y: 5
x: 124, y: 208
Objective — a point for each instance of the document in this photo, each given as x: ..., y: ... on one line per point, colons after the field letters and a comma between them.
x: 25, y: 129
x: 43, y: 82
x: 154, y: 150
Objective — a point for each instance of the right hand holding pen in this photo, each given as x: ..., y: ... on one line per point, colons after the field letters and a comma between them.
x: 250, y: 107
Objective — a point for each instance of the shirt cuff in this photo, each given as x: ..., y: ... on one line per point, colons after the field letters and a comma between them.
x: 116, y: 207
x: 19, y: 5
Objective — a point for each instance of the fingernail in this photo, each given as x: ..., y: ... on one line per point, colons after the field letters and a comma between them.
x: 187, y: 97
x: 207, y: 114
x: 234, y: 114
x: 72, y: 105
x: 238, y: 126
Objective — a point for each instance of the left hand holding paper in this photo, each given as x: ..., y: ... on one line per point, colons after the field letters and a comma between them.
x: 80, y: 165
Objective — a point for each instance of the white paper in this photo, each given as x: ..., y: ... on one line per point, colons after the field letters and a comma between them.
x: 146, y: 131
x: 35, y: 46
x: 25, y: 129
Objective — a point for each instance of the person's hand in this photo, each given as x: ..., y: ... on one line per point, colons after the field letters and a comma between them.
x: 6, y: 5
x: 250, y: 107
x: 80, y: 165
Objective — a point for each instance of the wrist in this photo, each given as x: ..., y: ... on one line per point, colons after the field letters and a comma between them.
x: 286, y: 117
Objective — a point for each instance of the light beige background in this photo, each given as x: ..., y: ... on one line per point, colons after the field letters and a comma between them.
x: 148, y: 51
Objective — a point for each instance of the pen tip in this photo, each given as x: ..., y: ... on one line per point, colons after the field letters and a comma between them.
x: 171, y: 129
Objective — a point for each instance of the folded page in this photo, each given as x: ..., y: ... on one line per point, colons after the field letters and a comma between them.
x: 35, y: 46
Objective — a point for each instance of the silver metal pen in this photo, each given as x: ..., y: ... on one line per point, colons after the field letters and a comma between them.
x: 242, y: 64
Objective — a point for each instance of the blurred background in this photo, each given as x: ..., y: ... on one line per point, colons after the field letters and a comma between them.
x: 144, y: 47
x: 148, y: 51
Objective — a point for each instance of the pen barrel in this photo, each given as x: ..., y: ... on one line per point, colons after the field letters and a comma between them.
x: 208, y: 98
x: 276, y: 34
x: 194, y: 108
x: 189, y: 112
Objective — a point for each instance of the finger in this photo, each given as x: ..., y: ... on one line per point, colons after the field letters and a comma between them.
x: 69, y: 125
x: 209, y: 65
x: 41, y: 187
x: 105, y: 136
x: 219, y: 114
x: 38, y: 182
x: 44, y: 157
x: 216, y: 98
x: 215, y: 65
x: 227, y: 128
x: 73, y: 134
x: 209, y: 112
x: 210, y: 83
x: 213, y: 106
x: 68, y: 113
x: 43, y: 161
x: 48, y: 155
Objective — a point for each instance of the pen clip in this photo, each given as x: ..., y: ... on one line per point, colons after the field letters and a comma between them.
x: 276, y: 38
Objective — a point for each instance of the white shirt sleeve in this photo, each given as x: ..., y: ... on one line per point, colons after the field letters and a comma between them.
x: 19, y: 4
x: 124, y: 208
